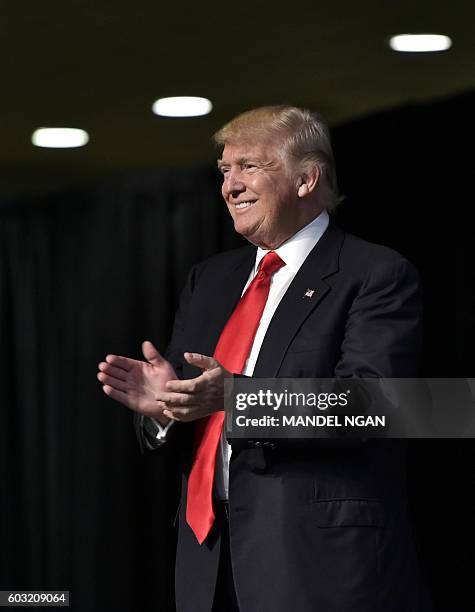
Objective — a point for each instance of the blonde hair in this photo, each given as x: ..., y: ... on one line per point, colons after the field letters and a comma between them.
x: 301, y: 135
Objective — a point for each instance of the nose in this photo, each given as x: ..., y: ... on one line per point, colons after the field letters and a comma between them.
x: 233, y: 184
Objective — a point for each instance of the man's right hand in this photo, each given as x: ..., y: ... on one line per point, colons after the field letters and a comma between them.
x: 136, y: 383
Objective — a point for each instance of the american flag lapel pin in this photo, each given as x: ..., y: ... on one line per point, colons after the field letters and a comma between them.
x: 309, y: 293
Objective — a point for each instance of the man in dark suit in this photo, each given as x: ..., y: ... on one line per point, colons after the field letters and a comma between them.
x: 309, y: 526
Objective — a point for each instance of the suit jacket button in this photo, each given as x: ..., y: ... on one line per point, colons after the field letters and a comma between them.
x: 257, y: 444
x: 266, y: 444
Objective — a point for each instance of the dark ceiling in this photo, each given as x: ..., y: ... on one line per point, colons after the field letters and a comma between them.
x: 100, y: 65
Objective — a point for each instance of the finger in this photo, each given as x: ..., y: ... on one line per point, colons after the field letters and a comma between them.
x: 112, y: 370
x: 110, y: 381
x: 118, y: 396
x: 125, y: 363
x: 192, y: 385
x: 175, y: 399
x: 201, y: 361
x: 151, y: 354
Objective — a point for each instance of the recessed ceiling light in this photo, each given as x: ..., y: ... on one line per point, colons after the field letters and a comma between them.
x: 420, y: 43
x: 182, y: 106
x: 59, y: 138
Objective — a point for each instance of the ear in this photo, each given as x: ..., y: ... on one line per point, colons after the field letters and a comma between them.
x: 308, y: 180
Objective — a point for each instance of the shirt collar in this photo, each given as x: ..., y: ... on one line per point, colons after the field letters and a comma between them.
x: 295, y: 249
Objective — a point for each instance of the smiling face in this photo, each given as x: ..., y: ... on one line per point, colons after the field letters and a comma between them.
x: 261, y: 193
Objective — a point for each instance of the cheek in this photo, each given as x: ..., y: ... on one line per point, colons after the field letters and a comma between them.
x: 257, y: 185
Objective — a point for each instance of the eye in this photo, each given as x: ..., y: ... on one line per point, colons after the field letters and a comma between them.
x: 250, y: 166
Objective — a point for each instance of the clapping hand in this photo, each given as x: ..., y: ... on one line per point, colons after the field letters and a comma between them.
x: 188, y: 400
x: 136, y: 383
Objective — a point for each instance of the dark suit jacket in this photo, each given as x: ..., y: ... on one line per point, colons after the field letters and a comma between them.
x: 313, y: 528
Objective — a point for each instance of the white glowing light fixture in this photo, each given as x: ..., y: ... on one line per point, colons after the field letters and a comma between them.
x: 182, y: 106
x: 420, y: 43
x: 59, y: 138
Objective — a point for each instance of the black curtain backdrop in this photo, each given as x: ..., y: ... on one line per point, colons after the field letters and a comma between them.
x: 97, y: 270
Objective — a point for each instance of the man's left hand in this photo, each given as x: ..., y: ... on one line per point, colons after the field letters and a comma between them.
x: 188, y: 400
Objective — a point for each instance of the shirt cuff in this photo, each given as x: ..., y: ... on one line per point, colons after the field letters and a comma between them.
x: 154, y: 434
x: 162, y: 429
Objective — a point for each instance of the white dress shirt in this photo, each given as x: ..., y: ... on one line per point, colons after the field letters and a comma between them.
x: 293, y: 253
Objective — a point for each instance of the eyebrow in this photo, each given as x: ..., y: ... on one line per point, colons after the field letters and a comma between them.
x: 241, y: 161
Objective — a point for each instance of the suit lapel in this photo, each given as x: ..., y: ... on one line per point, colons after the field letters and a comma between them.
x: 296, y: 306
x: 225, y: 297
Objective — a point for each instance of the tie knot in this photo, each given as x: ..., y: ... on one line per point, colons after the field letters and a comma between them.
x: 271, y: 263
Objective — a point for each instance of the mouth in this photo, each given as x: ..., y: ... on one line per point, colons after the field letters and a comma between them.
x: 244, y: 205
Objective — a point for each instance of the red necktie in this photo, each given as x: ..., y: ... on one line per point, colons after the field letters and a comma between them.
x: 232, y: 351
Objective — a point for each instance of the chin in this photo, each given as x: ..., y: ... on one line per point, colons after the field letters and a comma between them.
x: 243, y: 229
x: 251, y: 232
x: 254, y: 239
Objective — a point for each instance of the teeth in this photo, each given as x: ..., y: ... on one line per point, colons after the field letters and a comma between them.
x: 244, y: 204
